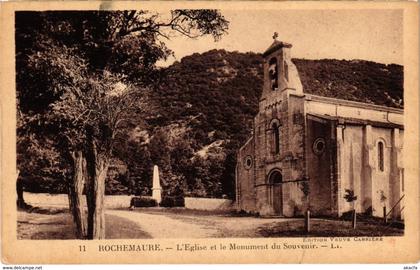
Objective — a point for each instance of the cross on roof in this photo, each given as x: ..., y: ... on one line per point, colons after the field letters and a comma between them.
x: 275, y: 36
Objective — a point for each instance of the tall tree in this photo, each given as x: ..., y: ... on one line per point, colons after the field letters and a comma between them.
x: 82, y: 75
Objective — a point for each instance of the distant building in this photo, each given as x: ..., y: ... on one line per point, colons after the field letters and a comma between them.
x: 307, y: 150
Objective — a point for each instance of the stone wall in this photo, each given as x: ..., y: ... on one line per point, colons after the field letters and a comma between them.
x: 319, y: 165
x: 61, y: 200
x: 293, y: 155
x: 286, y: 110
x: 245, y: 175
x: 352, y: 170
x: 208, y: 204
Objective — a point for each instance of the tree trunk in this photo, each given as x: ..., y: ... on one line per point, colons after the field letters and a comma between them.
x: 354, y: 217
x: 95, y: 196
x: 76, y: 194
x: 19, y: 189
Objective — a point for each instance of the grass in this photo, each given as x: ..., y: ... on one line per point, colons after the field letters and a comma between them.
x: 59, y: 225
x: 327, y: 228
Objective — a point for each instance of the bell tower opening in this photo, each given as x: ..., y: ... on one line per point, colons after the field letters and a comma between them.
x: 273, y: 73
x: 280, y: 74
x: 276, y: 138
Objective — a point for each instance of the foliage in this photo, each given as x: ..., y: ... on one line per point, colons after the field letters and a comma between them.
x: 383, y: 198
x: 143, y: 202
x: 356, y: 80
x: 304, y: 187
x: 172, y: 201
x: 349, y: 196
x: 117, y: 182
x: 40, y: 166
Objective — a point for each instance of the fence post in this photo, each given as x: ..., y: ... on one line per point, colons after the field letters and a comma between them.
x: 308, y: 221
x: 354, y: 219
x: 385, y: 216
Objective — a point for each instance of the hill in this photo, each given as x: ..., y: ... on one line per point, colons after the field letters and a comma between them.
x: 356, y: 80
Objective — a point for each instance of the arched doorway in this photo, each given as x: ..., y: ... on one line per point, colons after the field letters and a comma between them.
x: 275, y: 180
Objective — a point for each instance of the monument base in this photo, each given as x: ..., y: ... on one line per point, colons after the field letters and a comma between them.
x: 157, y: 194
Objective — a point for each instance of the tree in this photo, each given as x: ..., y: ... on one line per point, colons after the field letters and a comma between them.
x: 137, y: 158
x: 82, y: 75
x: 39, y: 164
x: 351, y: 198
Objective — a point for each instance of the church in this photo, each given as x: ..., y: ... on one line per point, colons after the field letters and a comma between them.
x: 310, y: 152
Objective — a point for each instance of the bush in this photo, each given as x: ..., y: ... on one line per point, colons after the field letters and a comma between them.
x: 348, y: 215
x: 142, y: 202
x: 173, y: 201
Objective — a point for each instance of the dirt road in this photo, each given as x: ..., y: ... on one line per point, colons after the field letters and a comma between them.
x: 146, y: 224
x: 164, y: 224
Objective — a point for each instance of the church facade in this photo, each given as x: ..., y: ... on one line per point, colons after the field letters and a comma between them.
x: 309, y: 151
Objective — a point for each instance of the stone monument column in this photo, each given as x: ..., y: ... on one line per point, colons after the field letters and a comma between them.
x: 156, y: 189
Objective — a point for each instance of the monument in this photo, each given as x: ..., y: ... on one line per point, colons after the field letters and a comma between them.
x: 156, y: 189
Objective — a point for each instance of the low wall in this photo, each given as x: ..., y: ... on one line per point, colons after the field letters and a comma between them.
x: 46, y: 200
x: 117, y: 201
x: 62, y: 201
x: 208, y: 204
x: 121, y: 201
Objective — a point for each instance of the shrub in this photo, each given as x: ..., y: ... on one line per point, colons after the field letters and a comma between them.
x: 348, y: 215
x: 173, y: 201
x: 142, y: 202
x: 369, y: 211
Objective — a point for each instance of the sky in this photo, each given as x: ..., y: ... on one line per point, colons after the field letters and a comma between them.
x: 374, y: 35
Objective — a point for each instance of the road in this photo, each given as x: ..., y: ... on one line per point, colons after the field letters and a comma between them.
x: 166, y: 224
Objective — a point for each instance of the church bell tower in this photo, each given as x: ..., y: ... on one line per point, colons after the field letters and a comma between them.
x: 280, y: 74
x: 279, y: 129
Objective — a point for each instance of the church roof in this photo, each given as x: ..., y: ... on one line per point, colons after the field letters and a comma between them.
x: 355, y: 121
x: 275, y: 46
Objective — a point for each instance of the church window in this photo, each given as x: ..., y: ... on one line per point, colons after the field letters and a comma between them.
x: 319, y: 146
x: 248, y: 162
x: 273, y: 73
x: 402, y: 180
x: 276, y: 177
x: 286, y: 71
x: 276, y: 138
x: 381, y: 156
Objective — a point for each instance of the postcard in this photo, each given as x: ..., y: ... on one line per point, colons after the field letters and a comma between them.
x: 209, y: 132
